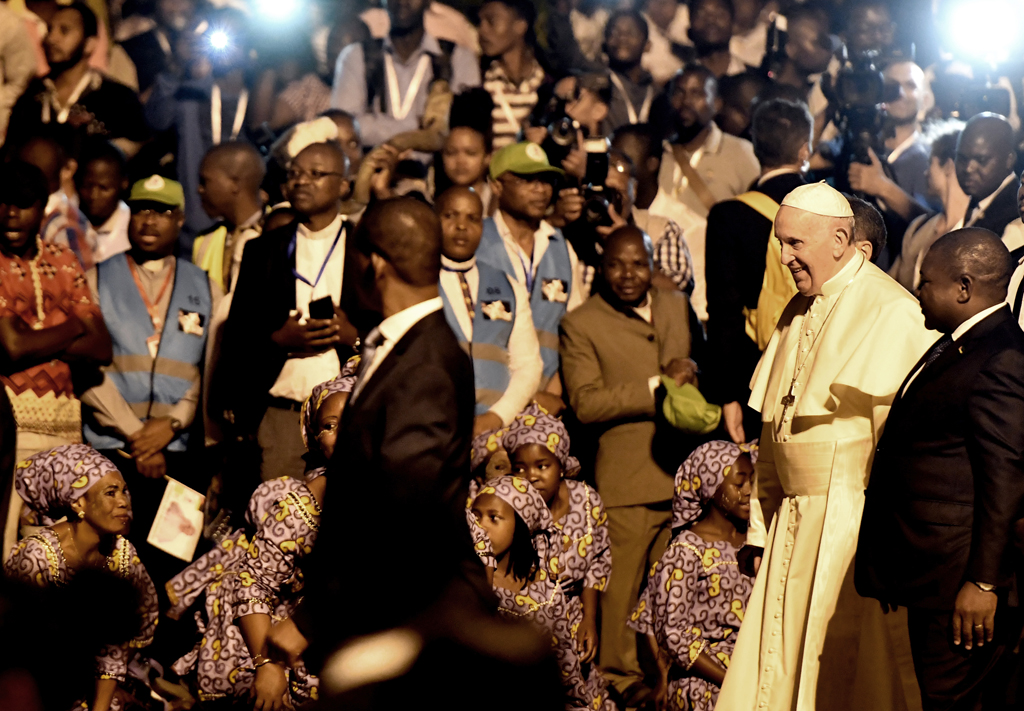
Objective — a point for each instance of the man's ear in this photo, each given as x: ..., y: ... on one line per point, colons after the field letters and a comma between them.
x: 804, y: 154
x: 654, y: 165
x: 965, y: 288
x: 867, y: 248
x: 1011, y: 161
x: 91, y: 45
x: 496, y: 187
x: 520, y: 27
x: 379, y: 265
x: 179, y: 219
x: 345, y: 189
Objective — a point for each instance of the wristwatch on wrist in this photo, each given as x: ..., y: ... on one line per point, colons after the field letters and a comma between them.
x: 985, y: 587
x: 176, y: 425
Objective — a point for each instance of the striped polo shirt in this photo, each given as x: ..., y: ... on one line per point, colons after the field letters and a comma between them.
x: 512, y: 102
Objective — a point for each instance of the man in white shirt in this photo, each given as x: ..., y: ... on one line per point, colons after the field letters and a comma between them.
x: 701, y: 167
x: 101, y: 179
x: 277, y: 346
x: 489, y: 313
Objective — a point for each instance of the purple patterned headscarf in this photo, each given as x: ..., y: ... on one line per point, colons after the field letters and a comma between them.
x: 50, y: 481
x: 701, y: 474
x: 344, y: 383
x: 484, y: 445
x: 524, y: 500
x: 535, y: 426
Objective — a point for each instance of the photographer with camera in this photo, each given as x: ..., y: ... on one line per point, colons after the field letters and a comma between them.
x: 901, y: 185
x: 701, y: 166
x: 206, y: 103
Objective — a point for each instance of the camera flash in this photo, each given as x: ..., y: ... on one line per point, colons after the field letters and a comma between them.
x: 219, y: 39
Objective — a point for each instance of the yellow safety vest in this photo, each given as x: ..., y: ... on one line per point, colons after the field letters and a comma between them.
x: 777, y: 287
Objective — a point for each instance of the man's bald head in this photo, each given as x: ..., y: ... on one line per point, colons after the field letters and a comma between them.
x: 407, y: 234
x: 965, y: 272
x: 976, y: 252
x: 985, y: 154
x: 626, y: 235
x: 240, y: 161
x: 627, y: 266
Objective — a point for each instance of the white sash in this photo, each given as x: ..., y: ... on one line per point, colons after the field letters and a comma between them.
x: 215, y: 114
x: 401, y: 106
x: 645, y: 109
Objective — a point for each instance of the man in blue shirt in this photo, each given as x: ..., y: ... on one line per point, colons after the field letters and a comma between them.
x: 385, y: 83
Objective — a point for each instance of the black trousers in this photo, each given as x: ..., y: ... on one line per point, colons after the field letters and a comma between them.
x: 955, y: 679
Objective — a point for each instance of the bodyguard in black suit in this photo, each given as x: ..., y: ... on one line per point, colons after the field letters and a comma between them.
x: 736, y: 246
x: 393, y: 537
x: 947, y: 482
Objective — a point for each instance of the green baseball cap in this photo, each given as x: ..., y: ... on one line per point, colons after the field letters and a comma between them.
x: 159, y: 190
x: 523, y: 159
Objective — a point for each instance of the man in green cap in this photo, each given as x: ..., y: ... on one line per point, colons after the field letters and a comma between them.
x: 157, y: 308
x: 518, y: 241
x: 615, y: 349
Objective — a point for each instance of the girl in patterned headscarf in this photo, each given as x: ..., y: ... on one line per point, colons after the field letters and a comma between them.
x: 693, y: 604
x: 255, y: 574
x: 76, y: 481
x: 580, y: 554
x: 518, y: 523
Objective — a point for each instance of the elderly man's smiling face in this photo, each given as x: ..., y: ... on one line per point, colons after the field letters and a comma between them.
x: 814, y: 247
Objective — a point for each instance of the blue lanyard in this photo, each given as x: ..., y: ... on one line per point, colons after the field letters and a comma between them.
x: 291, y: 256
x: 527, y: 268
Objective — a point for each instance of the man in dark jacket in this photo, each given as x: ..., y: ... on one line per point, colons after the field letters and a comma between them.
x: 947, y: 483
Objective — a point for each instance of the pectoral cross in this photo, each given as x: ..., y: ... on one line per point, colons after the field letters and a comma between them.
x: 787, y: 402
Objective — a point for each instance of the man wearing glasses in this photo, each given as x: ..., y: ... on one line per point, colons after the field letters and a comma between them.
x: 518, y: 241
x: 285, y: 331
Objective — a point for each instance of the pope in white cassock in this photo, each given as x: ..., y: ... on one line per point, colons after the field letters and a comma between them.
x: 823, y: 387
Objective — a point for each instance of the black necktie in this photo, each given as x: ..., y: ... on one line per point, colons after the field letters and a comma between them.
x: 936, y: 350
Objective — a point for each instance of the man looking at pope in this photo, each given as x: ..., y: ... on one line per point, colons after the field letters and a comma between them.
x: 823, y: 387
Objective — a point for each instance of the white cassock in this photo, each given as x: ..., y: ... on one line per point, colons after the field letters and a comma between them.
x: 808, y: 641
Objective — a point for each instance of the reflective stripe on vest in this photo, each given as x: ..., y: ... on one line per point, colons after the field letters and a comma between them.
x: 552, y: 287
x: 489, y: 349
x: 152, y: 386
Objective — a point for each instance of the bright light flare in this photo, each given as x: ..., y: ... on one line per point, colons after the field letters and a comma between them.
x: 276, y: 9
x: 219, y: 40
x: 985, y: 29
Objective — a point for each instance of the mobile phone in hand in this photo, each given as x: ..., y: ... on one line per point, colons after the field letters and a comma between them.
x: 322, y: 309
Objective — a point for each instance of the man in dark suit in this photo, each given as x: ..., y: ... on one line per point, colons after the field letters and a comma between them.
x: 395, y: 538
x: 947, y: 482
x: 985, y: 157
x: 274, y: 352
x: 736, y: 246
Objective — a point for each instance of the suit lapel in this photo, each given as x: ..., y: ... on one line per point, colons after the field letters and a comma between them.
x: 392, y: 359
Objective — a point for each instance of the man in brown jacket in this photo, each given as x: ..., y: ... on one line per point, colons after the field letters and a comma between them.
x: 614, y: 349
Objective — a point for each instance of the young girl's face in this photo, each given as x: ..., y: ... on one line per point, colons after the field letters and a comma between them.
x: 465, y: 156
x: 327, y: 418
x: 498, y: 519
x: 539, y: 466
x: 733, y: 495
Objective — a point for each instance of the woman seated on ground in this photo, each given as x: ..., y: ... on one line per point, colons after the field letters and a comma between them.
x: 76, y: 481
x: 254, y: 576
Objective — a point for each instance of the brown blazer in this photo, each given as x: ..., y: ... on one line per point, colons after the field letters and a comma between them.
x: 608, y: 356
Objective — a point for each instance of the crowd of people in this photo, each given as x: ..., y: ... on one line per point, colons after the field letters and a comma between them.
x: 621, y: 332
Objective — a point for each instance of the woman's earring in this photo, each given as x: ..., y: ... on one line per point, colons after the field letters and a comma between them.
x: 81, y: 514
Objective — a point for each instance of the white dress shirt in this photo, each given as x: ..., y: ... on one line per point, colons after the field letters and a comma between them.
x: 524, y: 362
x: 111, y: 237
x: 392, y: 329
x: 299, y: 376
x: 957, y: 334
x: 541, y: 239
x: 977, y: 213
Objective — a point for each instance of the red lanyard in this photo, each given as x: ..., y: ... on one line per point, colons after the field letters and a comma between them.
x: 150, y: 306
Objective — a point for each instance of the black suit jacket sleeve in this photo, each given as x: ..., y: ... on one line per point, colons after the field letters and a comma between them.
x: 250, y: 361
x: 996, y: 449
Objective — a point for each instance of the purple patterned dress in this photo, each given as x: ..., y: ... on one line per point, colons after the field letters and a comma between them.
x: 543, y: 603
x: 246, y: 575
x: 39, y: 560
x: 583, y: 560
x: 693, y: 603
